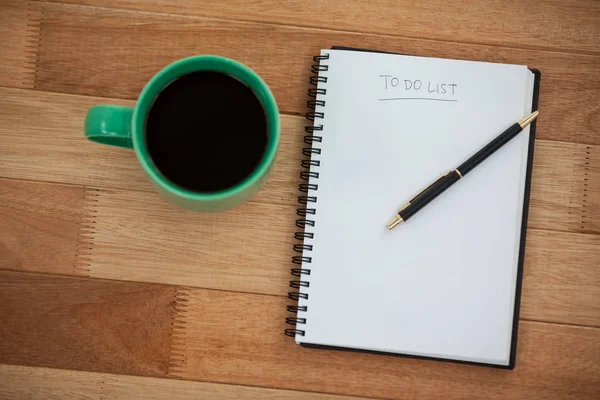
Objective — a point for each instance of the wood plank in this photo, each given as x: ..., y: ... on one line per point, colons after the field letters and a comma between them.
x: 20, y: 32
x: 565, y: 188
x: 136, y: 236
x: 80, y: 323
x: 113, y: 53
x: 39, y: 150
x: 551, y: 24
x: 33, y: 383
x: 41, y: 227
x: 237, y: 338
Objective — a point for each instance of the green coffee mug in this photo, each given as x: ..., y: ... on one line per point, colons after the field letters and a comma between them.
x: 125, y: 127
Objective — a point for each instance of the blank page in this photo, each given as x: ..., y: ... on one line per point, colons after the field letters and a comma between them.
x: 442, y: 284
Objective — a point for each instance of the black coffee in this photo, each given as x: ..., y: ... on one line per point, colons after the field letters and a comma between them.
x: 206, y: 131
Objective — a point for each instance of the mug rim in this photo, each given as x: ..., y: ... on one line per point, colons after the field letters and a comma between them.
x: 205, y: 63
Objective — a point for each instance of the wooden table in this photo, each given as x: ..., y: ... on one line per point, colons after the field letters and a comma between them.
x: 108, y: 291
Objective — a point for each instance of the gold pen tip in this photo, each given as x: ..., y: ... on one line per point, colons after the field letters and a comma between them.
x: 395, y: 222
x: 528, y: 119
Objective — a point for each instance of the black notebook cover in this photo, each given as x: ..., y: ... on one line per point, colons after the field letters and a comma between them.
x: 515, y: 324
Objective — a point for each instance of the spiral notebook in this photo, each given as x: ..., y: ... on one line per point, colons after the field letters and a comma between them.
x: 445, y: 285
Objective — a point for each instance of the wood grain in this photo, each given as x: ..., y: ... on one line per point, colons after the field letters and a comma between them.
x: 86, y: 324
x: 40, y: 227
x: 232, y: 337
x: 509, y: 23
x: 20, y: 32
x: 113, y: 53
x: 19, y: 382
x: 237, y: 338
x: 137, y: 236
x: 561, y: 280
x: 565, y: 187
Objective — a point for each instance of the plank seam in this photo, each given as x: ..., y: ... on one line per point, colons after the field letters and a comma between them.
x: 102, y: 395
x: 572, y: 216
x: 33, y: 37
x: 177, y: 335
x: 584, y: 205
x: 557, y: 323
x: 87, y: 232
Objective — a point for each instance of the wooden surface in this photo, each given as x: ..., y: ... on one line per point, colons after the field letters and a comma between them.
x: 107, y: 291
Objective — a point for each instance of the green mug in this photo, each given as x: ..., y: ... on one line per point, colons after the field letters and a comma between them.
x: 125, y: 127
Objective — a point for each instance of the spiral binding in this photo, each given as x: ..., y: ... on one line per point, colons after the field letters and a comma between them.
x: 304, y: 199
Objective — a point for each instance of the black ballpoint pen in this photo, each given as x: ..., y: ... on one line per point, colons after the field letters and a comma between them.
x: 453, y: 176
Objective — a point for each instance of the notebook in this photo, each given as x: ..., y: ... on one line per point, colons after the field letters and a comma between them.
x: 446, y: 284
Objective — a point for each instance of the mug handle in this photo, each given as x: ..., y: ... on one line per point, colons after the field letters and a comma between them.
x: 110, y: 125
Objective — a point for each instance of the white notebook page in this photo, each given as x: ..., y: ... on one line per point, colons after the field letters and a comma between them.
x: 442, y: 284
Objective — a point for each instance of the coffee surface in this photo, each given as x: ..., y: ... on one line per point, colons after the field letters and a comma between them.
x: 206, y: 131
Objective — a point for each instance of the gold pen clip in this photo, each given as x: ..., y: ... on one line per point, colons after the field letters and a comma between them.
x: 422, y: 191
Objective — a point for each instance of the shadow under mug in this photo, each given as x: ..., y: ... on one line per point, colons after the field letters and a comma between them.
x: 125, y: 127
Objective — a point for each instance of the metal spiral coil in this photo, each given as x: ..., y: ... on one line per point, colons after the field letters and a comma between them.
x: 304, y: 222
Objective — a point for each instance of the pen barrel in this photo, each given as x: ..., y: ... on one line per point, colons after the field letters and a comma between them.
x: 428, y: 195
x: 490, y: 148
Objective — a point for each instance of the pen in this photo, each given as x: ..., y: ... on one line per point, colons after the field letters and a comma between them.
x: 453, y: 176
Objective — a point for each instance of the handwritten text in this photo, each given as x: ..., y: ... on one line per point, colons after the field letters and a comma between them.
x: 418, y: 89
